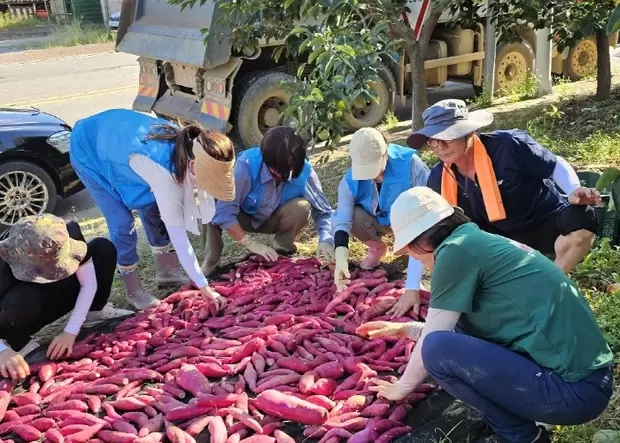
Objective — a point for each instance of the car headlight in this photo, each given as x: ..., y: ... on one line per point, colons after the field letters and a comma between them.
x: 60, y: 141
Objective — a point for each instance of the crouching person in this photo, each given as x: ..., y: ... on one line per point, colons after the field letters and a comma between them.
x: 276, y: 191
x: 507, y: 331
x: 46, y: 271
x: 379, y: 173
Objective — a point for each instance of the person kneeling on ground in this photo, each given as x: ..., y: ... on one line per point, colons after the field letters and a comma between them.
x: 503, y: 180
x: 47, y: 270
x: 526, y: 347
x: 276, y: 191
x: 379, y: 173
x: 132, y: 161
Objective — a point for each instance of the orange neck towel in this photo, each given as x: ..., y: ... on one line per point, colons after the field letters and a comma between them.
x: 486, y: 177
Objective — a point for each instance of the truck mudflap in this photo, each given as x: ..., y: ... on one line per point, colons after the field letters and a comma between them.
x: 148, y: 85
x: 210, y: 114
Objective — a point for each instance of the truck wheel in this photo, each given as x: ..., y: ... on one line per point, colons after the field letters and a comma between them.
x: 261, y: 100
x: 581, y: 60
x: 512, y: 63
x: 367, y: 112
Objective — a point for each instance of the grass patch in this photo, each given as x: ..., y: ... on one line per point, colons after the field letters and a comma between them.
x: 10, y: 21
x: 572, y: 124
x: 82, y: 34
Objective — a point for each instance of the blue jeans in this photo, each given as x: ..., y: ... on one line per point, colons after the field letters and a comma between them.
x: 121, y: 224
x: 511, y: 391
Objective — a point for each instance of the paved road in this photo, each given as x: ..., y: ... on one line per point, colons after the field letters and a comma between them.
x: 73, y: 88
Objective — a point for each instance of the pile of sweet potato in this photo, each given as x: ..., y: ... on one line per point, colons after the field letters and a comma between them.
x: 283, y: 354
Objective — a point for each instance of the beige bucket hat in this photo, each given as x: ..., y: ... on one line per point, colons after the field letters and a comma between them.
x: 214, y: 176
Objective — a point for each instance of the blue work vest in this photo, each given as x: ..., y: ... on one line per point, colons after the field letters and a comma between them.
x: 396, y: 180
x: 294, y: 188
x: 102, y: 144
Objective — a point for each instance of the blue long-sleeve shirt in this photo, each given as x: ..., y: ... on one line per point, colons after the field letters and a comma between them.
x: 226, y: 212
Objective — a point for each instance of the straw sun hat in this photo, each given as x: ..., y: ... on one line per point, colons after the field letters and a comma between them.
x: 214, y: 176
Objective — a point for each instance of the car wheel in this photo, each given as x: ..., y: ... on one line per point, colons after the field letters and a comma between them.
x: 25, y: 189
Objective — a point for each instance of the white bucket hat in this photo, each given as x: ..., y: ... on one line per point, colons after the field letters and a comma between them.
x: 367, y: 148
x: 414, y: 212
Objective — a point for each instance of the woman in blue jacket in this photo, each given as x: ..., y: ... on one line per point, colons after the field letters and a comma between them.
x: 131, y: 161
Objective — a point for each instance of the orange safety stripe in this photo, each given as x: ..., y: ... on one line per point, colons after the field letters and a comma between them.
x: 216, y: 110
x: 147, y: 91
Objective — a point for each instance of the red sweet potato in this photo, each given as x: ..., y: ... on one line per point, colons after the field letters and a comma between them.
x: 23, y: 399
x: 5, y: 398
x: 116, y: 437
x: 85, y: 435
x: 54, y: 436
x: 289, y: 407
x: 282, y: 437
x: 218, y: 431
x: 393, y: 434
x: 27, y: 432
x: 191, y: 379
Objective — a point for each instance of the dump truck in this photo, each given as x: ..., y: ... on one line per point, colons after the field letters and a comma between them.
x: 183, y: 77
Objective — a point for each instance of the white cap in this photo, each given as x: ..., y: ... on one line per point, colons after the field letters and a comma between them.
x: 367, y: 148
x: 414, y: 212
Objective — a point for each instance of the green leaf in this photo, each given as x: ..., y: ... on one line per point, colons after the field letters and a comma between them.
x: 614, y: 21
x: 298, y: 30
x: 318, y: 51
x: 614, y: 203
x: 346, y: 49
x: 288, y: 3
x: 300, y: 70
x: 609, y: 176
x: 278, y: 53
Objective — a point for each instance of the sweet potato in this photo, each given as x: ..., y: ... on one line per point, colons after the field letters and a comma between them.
x: 5, y: 398
x: 154, y: 437
x: 289, y: 407
x: 282, y: 437
x: 54, y: 436
x: 27, y: 432
x: 332, y: 369
x: 278, y: 381
x: 258, y: 439
x: 116, y: 437
x: 23, y: 399
x: 187, y: 413
x: 324, y: 386
x: 70, y: 405
x: 393, y: 434
x: 47, y: 371
x: 218, y: 431
x: 191, y: 379
x: 43, y: 423
x: 336, y: 432
x: 124, y: 426
x: 85, y: 435
x: 178, y: 435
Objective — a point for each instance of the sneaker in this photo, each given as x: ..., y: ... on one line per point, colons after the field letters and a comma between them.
x: 548, y: 427
x: 30, y: 347
x: 108, y: 312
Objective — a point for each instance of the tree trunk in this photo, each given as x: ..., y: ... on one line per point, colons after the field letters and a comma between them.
x: 419, y: 98
x: 416, y: 52
x: 603, y: 70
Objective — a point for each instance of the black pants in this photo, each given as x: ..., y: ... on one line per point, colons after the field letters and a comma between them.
x: 25, y: 308
x: 564, y: 222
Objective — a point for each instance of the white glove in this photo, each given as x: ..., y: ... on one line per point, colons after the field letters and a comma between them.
x: 341, y: 271
x: 325, y: 251
x: 257, y: 248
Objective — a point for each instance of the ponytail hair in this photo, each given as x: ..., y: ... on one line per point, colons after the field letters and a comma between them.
x: 217, y: 145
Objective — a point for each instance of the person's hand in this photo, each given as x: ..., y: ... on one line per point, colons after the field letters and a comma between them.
x: 219, y: 301
x: 410, y: 299
x: 388, y: 390
x: 341, y: 271
x: 257, y: 248
x: 61, y: 345
x: 377, y: 329
x: 585, y: 196
x: 325, y: 251
x: 13, y: 365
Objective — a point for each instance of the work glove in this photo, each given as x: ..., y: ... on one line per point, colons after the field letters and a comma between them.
x: 257, y: 248
x: 219, y: 301
x: 410, y: 299
x: 393, y: 391
x: 325, y: 252
x: 341, y: 271
x: 378, y: 329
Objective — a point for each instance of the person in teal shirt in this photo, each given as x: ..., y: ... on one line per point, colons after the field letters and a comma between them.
x: 507, y: 331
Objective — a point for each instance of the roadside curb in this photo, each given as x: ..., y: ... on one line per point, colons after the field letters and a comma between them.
x: 37, y: 55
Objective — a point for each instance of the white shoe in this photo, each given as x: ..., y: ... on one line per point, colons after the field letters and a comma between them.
x: 30, y: 347
x: 548, y: 427
x: 108, y: 312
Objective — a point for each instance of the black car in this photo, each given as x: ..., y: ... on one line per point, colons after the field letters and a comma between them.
x: 34, y: 164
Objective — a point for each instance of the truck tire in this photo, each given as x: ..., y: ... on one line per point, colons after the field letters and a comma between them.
x: 261, y: 98
x: 582, y: 59
x: 28, y: 189
x: 368, y: 113
x: 512, y: 63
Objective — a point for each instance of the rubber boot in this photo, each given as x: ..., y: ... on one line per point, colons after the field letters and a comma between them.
x: 167, y: 270
x: 208, y: 269
x: 136, y: 295
x: 376, y: 251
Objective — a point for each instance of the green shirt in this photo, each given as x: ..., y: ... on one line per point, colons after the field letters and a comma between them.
x: 511, y: 295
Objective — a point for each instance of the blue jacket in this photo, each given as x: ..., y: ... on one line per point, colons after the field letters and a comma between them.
x: 294, y: 188
x: 102, y: 144
x: 396, y: 180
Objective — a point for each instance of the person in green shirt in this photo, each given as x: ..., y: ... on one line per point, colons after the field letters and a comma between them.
x: 507, y: 331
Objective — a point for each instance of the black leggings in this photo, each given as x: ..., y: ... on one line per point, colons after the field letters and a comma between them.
x: 25, y: 308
